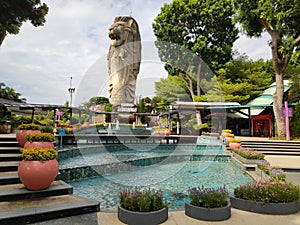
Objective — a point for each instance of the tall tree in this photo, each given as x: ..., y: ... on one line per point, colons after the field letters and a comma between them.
x: 14, y: 13
x: 189, y: 32
x: 280, y: 19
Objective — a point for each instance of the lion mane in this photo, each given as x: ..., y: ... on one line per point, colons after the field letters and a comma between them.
x: 124, y: 59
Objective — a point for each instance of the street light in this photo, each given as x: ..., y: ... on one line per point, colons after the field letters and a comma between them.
x: 71, y: 91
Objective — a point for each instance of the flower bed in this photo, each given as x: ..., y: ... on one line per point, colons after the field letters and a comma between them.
x: 266, y: 171
x: 270, y: 197
x: 248, y: 156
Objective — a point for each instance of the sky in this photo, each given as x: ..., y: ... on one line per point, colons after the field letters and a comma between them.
x: 40, y: 61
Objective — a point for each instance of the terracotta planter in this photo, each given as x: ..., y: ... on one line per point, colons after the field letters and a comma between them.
x: 142, y: 218
x: 21, y: 134
x: 208, y: 214
x: 39, y: 144
x: 36, y: 175
x: 265, y: 208
x: 235, y: 145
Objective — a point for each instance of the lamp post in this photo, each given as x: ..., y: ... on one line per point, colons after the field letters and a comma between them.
x: 71, y: 91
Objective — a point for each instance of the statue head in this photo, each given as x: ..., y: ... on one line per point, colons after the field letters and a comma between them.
x: 124, y: 30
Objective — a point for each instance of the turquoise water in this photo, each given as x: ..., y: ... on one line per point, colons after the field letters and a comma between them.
x: 175, y: 177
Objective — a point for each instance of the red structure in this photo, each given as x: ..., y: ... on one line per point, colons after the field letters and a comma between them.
x: 262, y: 125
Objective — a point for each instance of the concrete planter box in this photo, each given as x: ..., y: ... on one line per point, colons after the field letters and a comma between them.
x: 265, y: 208
x: 208, y: 214
x: 142, y: 218
x: 247, y: 161
x: 261, y: 174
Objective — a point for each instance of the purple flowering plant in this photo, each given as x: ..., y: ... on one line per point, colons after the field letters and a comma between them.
x: 141, y: 200
x: 273, y: 172
x: 268, y: 191
x: 209, y: 197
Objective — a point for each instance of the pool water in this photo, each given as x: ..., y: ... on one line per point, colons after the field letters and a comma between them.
x: 170, y: 178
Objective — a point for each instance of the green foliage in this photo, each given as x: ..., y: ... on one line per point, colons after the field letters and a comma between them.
x: 295, y: 123
x: 95, y: 101
x: 269, y: 191
x: 8, y: 92
x: 274, y: 173
x: 108, y: 108
x: 209, y: 197
x: 249, y: 153
x: 40, y: 137
x: 30, y: 126
x: 198, y: 26
x: 141, y: 200
x: 15, y: 13
x: 47, y: 129
x: 39, y: 154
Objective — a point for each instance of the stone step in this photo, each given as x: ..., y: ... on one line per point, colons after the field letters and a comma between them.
x: 9, y: 144
x: 9, y: 178
x: 9, y: 166
x: 10, y: 157
x: 4, y: 150
x: 14, y: 192
x: 47, y: 208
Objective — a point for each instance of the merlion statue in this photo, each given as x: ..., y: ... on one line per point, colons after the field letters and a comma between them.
x: 124, y: 59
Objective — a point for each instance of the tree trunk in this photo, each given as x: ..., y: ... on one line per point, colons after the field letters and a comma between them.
x: 2, y: 36
x: 279, y: 64
x: 277, y: 105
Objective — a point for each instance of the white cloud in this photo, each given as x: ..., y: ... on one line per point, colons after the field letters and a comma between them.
x: 39, y: 61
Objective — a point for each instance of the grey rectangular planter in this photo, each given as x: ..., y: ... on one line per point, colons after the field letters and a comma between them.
x: 265, y: 208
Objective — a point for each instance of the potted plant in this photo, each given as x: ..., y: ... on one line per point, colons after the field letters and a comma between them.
x: 25, y: 129
x: 39, y: 140
x: 267, y: 197
x: 225, y: 133
x: 210, y: 204
x: 39, y: 167
x: 227, y: 139
x: 142, y: 207
x: 266, y: 171
x: 234, y: 143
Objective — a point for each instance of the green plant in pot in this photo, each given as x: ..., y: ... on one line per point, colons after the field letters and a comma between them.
x: 211, y: 204
x: 38, y: 168
x: 39, y: 140
x: 142, y: 207
x: 25, y: 129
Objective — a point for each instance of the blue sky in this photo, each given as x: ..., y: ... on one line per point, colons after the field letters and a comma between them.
x: 39, y: 61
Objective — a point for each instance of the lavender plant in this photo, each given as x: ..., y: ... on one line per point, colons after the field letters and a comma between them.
x: 209, y: 197
x: 141, y: 200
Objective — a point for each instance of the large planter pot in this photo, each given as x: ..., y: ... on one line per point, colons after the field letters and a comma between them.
x: 208, y: 214
x: 142, y: 218
x: 39, y: 144
x: 21, y: 134
x: 235, y: 145
x: 265, y: 208
x: 36, y: 175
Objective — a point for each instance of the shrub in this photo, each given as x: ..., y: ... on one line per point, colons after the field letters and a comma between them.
x: 208, y: 197
x: 39, y: 154
x: 274, y: 173
x: 30, y: 126
x: 141, y: 201
x: 41, y: 137
x: 269, y: 192
x: 249, y: 153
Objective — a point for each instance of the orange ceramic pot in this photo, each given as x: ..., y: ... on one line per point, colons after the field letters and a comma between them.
x: 234, y: 145
x: 36, y: 175
x: 21, y: 134
x: 39, y: 144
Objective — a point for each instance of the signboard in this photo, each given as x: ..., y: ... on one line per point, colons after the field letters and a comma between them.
x: 290, y: 112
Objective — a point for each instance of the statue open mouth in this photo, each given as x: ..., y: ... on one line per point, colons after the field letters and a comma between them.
x: 114, y: 36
